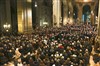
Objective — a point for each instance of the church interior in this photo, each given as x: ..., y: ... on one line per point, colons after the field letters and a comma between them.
x: 49, y: 32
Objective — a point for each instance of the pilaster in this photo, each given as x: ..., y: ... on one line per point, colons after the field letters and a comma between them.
x: 20, y: 16
x: 65, y: 12
x: 92, y: 14
x: 56, y: 13
x: 80, y: 12
x: 70, y: 12
x: 99, y: 20
x: 97, y: 39
x: 24, y: 12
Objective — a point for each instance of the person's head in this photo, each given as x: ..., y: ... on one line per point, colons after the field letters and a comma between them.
x: 17, y: 49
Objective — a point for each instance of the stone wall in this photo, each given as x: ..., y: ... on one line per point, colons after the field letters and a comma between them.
x: 43, y: 12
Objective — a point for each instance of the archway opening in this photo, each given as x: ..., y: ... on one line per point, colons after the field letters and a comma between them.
x: 75, y: 13
x: 86, y: 14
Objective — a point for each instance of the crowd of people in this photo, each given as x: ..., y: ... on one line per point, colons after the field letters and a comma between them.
x: 70, y: 45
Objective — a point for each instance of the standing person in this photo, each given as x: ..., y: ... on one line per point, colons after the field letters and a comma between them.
x: 91, y: 62
x: 17, y: 56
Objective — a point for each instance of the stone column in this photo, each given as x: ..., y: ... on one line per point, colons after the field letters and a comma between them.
x: 65, y: 12
x: 79, y: 13
x: 20, y: 16
x: 24, y: 12
x: 97, y: 39
x: 56, y: 13
x: 28, y: 16
x: 92, y: 15
x: 13, y: 6
x: 99, y: 20
x: 70, y: 12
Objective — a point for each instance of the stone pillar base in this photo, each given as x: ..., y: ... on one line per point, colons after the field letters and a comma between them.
x: 97, y: 44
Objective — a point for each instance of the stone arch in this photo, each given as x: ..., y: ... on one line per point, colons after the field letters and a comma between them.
x: 86, y: 7
x: 86, y: 11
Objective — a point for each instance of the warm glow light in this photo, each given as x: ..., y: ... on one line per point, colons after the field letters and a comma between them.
x: 65, y: 21
x: 29, y: 1
x: 85, y: 0
x: 96, y: 17
x: 53, y: 65
x: 45, y: 23
x: 7, y: 30
x: 29, y: 13
x: 29, y: 19
x: 35, y: 4
x: 71, y: 21
x: 88, y: 0
x: 22, y: 15
x: 6, y: 26
x: 69, y: 12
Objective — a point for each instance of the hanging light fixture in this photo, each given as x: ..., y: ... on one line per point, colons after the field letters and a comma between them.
x: 35, y: 4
